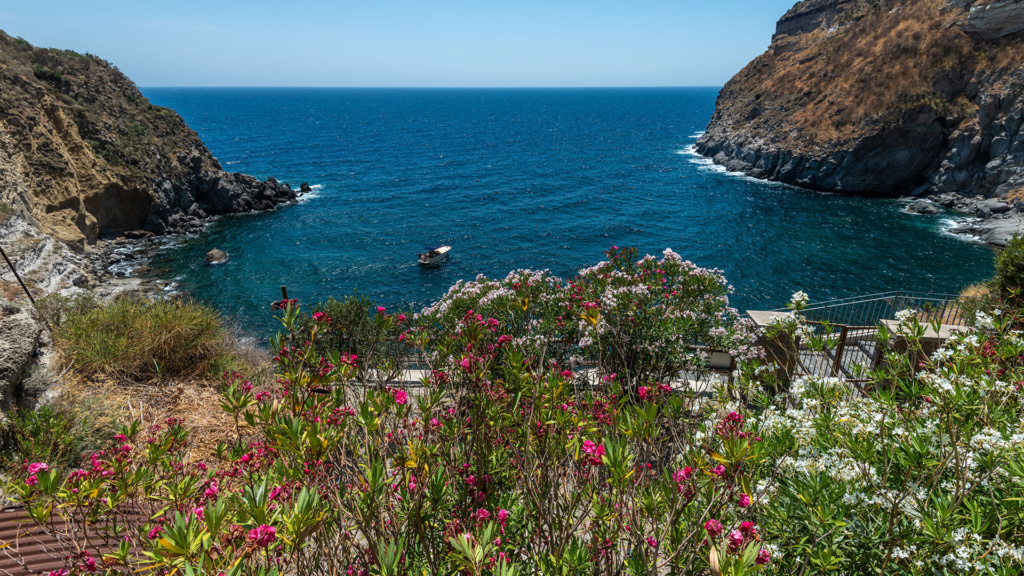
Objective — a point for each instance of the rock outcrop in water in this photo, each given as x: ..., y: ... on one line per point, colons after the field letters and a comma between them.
x: 885, y: 97
x: 84, y: 153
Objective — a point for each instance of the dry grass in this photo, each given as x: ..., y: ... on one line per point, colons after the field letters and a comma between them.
x: 978, y: 290
x: 109, y: 404
x: 111, y: 349
x: 1014, y: 196
x: 10, y: 291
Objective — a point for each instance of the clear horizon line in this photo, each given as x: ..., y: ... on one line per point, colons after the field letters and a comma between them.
x: 435, y: 87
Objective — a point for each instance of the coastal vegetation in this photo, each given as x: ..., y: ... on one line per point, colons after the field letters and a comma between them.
x: 136, y: 338
x: 557, y: 427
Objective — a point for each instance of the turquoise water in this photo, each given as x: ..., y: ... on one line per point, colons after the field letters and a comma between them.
x: 545, y: 178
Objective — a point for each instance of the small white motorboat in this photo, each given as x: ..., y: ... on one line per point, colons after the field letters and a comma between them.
x: 434, y: 256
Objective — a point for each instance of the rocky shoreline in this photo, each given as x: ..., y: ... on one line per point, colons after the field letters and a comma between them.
x: 114, y: 266
x: 920, y: 101
x: 988, y: 220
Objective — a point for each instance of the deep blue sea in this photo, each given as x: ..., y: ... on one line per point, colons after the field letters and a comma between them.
x: 523, y: 178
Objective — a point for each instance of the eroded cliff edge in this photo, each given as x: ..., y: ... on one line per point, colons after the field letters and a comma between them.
x: 886, y: 97
x: 83, y: 153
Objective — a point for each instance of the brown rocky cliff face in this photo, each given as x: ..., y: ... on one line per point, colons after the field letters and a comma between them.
x: 881, y: 97
x: 91, y: 155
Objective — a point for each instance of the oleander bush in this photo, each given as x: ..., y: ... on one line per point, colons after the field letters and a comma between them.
x: 361, y: 328
x: 552, y: 433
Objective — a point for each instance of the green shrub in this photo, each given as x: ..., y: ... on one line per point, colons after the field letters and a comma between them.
x: 44, y: 73
x: 45, y: 435
x: 135, y: 338
x: 137, y: 130
x: 357, y: 326
x: 1010, y: 268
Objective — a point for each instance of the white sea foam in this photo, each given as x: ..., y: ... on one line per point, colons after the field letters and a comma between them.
x: 314, y: 192
x: 946, y: 226
x: 706, y: 164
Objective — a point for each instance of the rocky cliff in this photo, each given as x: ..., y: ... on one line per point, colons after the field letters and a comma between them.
x: 884, y: 97
x: 83, y: 153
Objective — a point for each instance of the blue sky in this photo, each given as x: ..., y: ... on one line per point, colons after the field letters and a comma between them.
x: 407, y: 43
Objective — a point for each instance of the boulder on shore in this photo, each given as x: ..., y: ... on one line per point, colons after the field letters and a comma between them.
x: 923, y: 207
x: 216, y: 256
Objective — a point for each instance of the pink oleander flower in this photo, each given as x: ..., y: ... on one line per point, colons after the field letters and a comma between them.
x: 200, y: 512
x: 502, y: 515
x: 744, y: 500
x: 37, y: 467
x: 482, y: 514
x: 643, y: 392
x: 89, y: 564
x: 683, y: 475
x: 652, y: 542
x: 401, y: 396
x: 61, y: 572
x: 435, y: 423
x: 664, y: 387
x: 567, y: 374
x: 763, y: 557
x: 736, y: 538
x: 321, y: 317
x: 718, y: 470
x: 32, y: 480
x: 714, y: 527
x: 155, y: 532
x: 263, y: 535
x: 595, y: 451
x: 465, y: 364
x: 381, y: 309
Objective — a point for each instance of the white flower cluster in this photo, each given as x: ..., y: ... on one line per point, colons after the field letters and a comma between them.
x: 906, y: 315
x: 991, y: 440
x: 984, y: 321
x: 799, y: 299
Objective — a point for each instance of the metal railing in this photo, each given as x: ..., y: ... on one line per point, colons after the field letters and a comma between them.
x: 850, y: 328
x: 871, y: 309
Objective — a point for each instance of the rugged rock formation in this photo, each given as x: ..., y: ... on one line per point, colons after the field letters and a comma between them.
x: 20, y: 331
x: 883, y: 97
x: 83, y: 153
x: 996, y: 20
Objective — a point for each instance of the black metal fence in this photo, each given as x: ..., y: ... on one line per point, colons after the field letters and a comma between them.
x: 871, y: 309
x: 847, y: 328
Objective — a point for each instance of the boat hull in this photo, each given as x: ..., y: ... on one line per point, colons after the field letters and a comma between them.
x: 435, y: 260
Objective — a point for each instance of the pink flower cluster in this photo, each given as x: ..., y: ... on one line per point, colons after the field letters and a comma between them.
x: 594, y: 452
x: 263, y: 536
